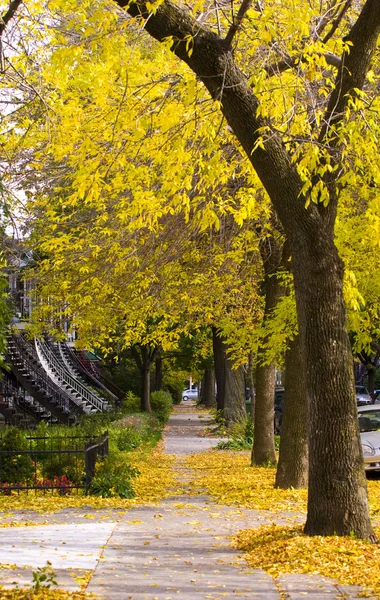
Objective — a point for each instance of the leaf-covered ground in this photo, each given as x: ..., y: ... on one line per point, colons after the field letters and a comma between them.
x: 229, y: 479
x: 280, y: 550
x: 43, y: 594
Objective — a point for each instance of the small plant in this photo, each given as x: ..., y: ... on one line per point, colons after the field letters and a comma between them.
x: 44, y: 577
x: 241, y: 437
x: 132, y: 403
x: 113, y: 479
x: 128, y: 439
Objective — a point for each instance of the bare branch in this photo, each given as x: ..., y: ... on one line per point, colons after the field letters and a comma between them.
x: 245, y: 5
x: 8, y: 15
x: 291, y: 61
x: 337, y: 21
x: 355, y: 63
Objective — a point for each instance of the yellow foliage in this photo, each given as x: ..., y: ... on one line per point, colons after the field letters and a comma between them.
x: 42, y: 594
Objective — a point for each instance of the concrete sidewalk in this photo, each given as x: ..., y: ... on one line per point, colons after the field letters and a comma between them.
x: 179, y: 549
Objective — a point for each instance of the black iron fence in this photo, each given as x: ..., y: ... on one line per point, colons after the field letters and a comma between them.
x: 49, y: 463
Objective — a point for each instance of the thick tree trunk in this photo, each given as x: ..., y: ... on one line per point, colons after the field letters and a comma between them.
x: 338, y: 501
x: 292, y: 469
x: 219, y: 362
x: 263, y: 451
x: 234, y: 403
x: 209, y: 388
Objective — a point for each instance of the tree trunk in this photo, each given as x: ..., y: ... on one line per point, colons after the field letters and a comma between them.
x: 251, y: 386
x: 234, y: 402
x: 263, y: 451
x: 145, y: 393
x: 209, y: 388
x: 219, y: 362
x: 292, y: 470
x: 371, y: 373
x: 338, y: 501
x: 158, y: 374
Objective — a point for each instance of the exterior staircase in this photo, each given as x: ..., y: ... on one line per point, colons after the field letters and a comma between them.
x: 85, y: 399
x: 32, y: 377
x: 80, y: 373
x: 18, y: 408
x: 90, y: 367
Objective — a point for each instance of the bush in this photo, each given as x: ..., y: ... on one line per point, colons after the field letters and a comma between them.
x: 162, y: 404
x: 175, y: 389
x: 128, y: 439
x: 113, y: 479
x: 132, y: 403
x: 15, y: 468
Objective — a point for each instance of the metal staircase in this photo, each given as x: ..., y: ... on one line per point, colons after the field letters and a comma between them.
x: 30, y: 374
x: 18, y: 408
x: 83, y: 397
x: 79, y: 372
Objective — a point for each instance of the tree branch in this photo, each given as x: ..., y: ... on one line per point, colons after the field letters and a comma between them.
x: 244, y: 7
x: 8, y: 15
x: 355, y: 63
x: 336, y: 22
x: 291, y: 61
x: 212, y: 60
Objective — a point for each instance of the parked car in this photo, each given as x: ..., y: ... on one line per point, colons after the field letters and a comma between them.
x: 190, y: 394
x: 362, y: 396
x: 369, y: 425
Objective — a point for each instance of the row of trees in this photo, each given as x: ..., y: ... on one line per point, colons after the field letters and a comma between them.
x: 243, y: 199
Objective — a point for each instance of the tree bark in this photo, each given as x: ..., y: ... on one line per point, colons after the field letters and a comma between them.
x: 251, y: 385
x: 371, y: 373
x: 292, y: 469
x: 158, y: 374
x: 234, y: 405
x: 337, y: 502
x: 219, y: 362
x: 263, y: 451
x: 209, y: 388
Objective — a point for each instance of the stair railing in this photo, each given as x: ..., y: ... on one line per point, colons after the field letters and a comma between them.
x: 42, y: 380
x: 47, y: 358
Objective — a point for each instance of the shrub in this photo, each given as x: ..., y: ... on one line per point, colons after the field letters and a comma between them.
x: 132, y: 403
x: 15, y: 468
x: 113, y: 479
x: 162, y: 405
x: 175, y: 389
x: 128, y: 439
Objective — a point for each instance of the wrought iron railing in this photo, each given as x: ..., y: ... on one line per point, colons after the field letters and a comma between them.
x: 51, y: 463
